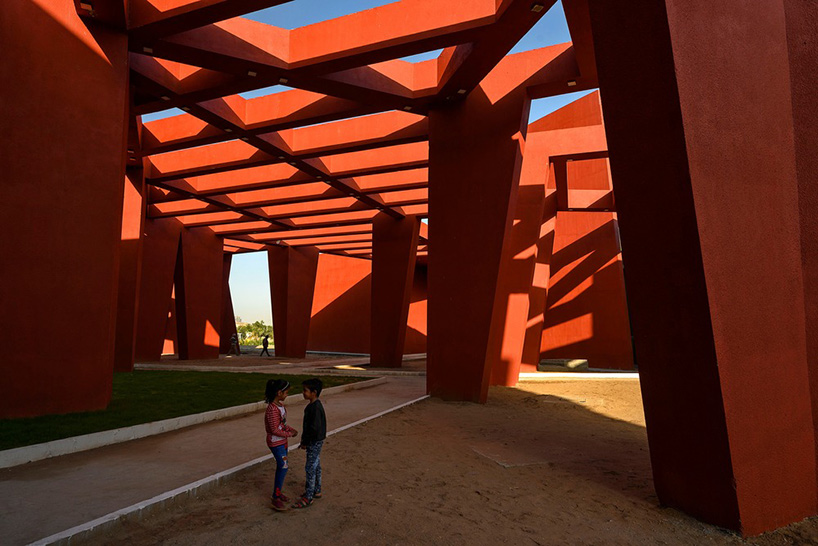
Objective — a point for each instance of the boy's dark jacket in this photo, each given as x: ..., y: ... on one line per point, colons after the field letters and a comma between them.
x: 315, y: 424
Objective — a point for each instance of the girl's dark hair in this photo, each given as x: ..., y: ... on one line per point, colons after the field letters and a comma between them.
x: 314, y: 384
x: 274, y: 386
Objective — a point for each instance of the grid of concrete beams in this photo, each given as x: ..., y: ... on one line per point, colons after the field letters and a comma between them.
x: 314, y: 164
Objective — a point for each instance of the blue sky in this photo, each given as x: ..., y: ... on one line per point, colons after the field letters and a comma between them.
x: 249, y: 281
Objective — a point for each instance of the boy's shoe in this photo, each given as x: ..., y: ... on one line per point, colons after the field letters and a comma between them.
x: 283, y: 497
x: 303, y: 503
x: 279, y: 505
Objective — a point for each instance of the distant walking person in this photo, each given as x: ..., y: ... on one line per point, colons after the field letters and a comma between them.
x: 312, y: 439
x: 264, y: 344
x: 275, y: 423
x: 234, y: 346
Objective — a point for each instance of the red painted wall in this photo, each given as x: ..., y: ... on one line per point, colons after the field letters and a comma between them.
x: 64, y: 96
x: 160, y: 247
x: 341, y: 309
x: 130, y: 269
x: 394, y: 253
x: 586, y: 314
x: 199, y: 295
x: 707, y: 198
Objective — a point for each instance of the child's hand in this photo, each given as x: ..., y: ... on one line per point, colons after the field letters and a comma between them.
x: 295, y: 433
x: 302, y: 446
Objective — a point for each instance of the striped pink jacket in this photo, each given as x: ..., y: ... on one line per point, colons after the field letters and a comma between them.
x: 276, y: 426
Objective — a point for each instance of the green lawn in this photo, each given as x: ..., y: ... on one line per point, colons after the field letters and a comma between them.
x: 146, y: 396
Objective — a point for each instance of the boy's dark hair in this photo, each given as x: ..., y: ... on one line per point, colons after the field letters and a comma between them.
x: 314, y: 384
x: 273, y: 387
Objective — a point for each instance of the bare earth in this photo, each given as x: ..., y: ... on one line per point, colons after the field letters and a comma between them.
x: 545, y: 463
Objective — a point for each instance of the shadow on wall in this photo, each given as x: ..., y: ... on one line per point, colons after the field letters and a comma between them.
x: 341, y: 311
x: 586, y: 314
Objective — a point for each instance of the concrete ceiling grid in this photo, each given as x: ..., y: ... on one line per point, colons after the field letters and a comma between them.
x: 315, y: 163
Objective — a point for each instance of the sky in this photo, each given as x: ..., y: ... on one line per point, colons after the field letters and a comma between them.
x: 249, y: 280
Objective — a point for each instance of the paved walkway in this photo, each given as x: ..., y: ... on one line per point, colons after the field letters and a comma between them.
x: 46, y: 497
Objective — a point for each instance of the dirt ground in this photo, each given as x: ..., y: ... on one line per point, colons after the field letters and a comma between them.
x: 546, y: 463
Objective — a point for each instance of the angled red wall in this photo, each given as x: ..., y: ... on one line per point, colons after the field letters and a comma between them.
x: 292, y: 284
x: 586, y: 314
x: 199, y: 294
x: 64, y: 95
x: 707, y: 198
x: 802, y: 40
x: 130, y: 269
x: 341, y: 315
x: 160, y: 247
x: 228, y: 322
x: 394, y: 251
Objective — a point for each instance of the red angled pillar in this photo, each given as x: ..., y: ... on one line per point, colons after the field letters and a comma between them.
x: 519, y: 260
x: 537, y: 296
x: 199, y: 294
x: 292, y: 285
x: 228, y: 324
x: 130, y: 269
x: 475, y: 156
x: 704, y: 169
x: 802, y: 20
x: 160, y: 247
x: 394, y: 251
x: 65, y: 99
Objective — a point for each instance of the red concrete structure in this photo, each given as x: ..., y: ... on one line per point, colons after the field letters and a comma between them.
x: 119, y: 229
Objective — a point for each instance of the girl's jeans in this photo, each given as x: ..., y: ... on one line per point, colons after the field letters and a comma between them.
x: 313, y: 470
x: 280, y: 453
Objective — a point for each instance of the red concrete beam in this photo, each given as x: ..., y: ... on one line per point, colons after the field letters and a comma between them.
x: 307, y: 233
x: 154, y: 19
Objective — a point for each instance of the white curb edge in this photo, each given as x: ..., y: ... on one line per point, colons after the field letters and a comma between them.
x: 38, y: 452
x: 165, y: 500
x: 545, y: 376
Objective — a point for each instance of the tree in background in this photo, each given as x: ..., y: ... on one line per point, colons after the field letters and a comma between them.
x: 251, y: 334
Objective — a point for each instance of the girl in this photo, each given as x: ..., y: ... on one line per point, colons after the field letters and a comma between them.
x: 275, y: 423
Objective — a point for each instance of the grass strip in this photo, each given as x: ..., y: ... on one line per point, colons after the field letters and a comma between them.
x: 145, y: 396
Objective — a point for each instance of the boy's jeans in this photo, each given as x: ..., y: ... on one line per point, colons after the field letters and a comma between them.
x: 313, y: 470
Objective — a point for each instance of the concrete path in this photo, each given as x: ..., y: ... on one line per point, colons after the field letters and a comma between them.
x: 46, y: 497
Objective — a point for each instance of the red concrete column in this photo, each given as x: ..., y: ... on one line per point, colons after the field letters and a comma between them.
x: 475, y: 156
x: 292, y: 285
x: 537, y: 295
x: 703, y: 165
x: 159, y: 255
x: 519, y: 259
x: 394, y: 252
x: 64, y: 95
x: 130, y: 269
x: 228, y: 324
x: 199, y: 294
x: 802, y: 20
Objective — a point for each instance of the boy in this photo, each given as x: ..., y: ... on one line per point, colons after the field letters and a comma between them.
x: 312, y: 438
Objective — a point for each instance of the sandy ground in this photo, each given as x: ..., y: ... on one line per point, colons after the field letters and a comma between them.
x: 546, y: 463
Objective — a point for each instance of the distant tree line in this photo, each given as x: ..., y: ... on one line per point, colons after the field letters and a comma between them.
x: 251, y: 334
